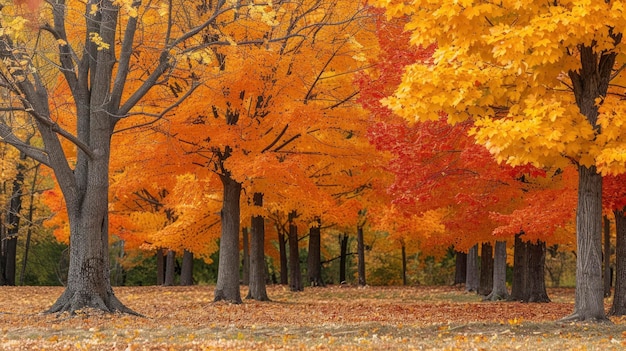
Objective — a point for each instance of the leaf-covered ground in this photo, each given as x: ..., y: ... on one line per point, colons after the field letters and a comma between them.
x: 333, y: 318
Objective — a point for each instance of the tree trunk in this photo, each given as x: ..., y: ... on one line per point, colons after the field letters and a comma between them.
x: 13, y: 224
x: 499, y: 291
x: 619, y: 296
x: 343, y: 257
x: 589, y: 84
x: 257, y: 289
x: 486, y: 269
x: 460, y: 267
x: 536, y: 272
x: 589, y: 302
x: 186, y: 272
x: 295, y: 281
x: 282, y: 248
x: 472, y: 269
x: 519, y: 290
x: 170, y: 268
x: 314, y: 260
x: 404, y: 282
x: 246, y: 257
x: 160, y: 261
x: 361, y: 255
x: 607, y: 257
x: 227, y: 287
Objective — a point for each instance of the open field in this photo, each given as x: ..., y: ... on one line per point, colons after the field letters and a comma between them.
x: 333, y: 318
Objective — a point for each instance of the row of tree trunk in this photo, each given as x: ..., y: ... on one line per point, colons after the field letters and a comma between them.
x: 486, y: 274
x: 168, y: 267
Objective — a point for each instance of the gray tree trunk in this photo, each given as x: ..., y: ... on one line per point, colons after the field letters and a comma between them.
x: 619, y: 296
x: 343, y: 257
x: 606, y: 258
x: 160, y: 262
x: 314, y: 259
x: 499, y: 291
x: 460, y: 267
x: 257, y: 290
x: 472, y: 269
x: 536, y: 272
x: 246, y: 256
x: 486, y: 269
x: 361, y: 255
x: 519, y: 289
x: 170, y: 268
x: 186, y: 271
x: 227, y: 287
x: 295, y: 281
x: 284, y: 264
x: 589, y: 84
x: 589, y: 301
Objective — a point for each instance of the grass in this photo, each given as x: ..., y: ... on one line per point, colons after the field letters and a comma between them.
x: 333, y: 318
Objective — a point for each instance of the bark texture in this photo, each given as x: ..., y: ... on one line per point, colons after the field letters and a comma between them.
x: 227, y: 287
x: 499, y: 291
x: 186, y: 271
x: 314, y: 259
x: 519, y: 290
x: 486, y: 269
x: 361, y: 255
x: 295, y: 281
x: 460, y: 267
x: 170, y: 268
x: 536, y: 272
x: 257, y: 290
x: 606, y: 258
x: 284, y: 263
x: 618, y: 308
x: 245, y: 271
x: 343, y: 257
x: 472, y: 269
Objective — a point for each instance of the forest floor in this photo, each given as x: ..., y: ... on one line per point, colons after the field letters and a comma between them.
x: 331, y: 318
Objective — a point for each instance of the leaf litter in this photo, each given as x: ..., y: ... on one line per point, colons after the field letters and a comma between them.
x: 332, y: 318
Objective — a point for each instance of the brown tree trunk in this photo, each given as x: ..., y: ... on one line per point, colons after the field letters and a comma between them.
x: 499, y: 291
x: 186, y: 272
x: 519, y: 289
x: 607, y: 257
x: 361, y: 255
x: 619, y: 296
x: 227, y: 287
x: 282, y: 248
x: 170, y: 268
x: 246, y: 257
x: 295, y: 281
x: 460, y: 271
x: 160, y: 260
x: 536, y: 272
x: 343, y: 257
x: 472, y: 269
x: 314, y: 259
x: 486, y: 269
x: 257, y: 289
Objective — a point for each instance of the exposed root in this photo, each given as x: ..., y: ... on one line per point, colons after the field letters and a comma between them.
x: 577, y: 317
x: 495, y: 296
x: 72, y: 301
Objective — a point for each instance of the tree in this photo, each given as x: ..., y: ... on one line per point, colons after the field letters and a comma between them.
x: 550, y: 93
x: 85, y: 64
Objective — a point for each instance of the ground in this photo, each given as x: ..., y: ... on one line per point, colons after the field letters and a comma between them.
x: 332, y: 318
